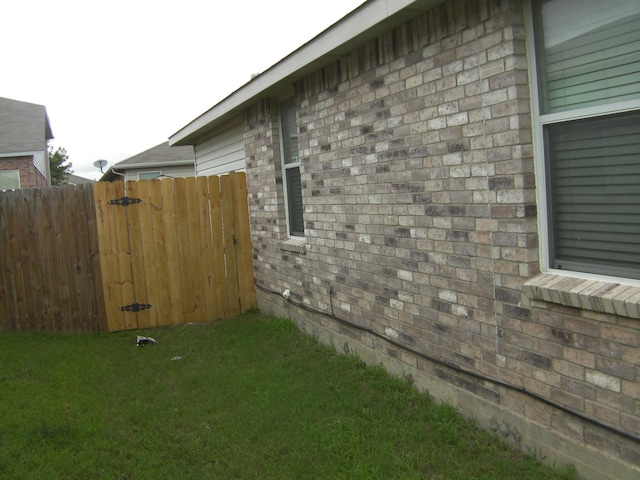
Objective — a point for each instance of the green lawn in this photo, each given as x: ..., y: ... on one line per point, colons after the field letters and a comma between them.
x: 245, y: 398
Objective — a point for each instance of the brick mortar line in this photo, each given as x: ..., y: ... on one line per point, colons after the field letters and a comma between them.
x: 453, y: 366
x: 497, y: 334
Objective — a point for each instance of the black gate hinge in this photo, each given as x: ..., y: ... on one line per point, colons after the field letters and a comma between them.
x: 135, y: 307
x: 124, y: 201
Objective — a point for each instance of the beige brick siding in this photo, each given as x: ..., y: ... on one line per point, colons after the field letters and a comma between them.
x: 421, y: 227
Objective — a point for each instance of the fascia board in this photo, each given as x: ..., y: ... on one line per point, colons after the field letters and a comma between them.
x: 29, y: 153
x: 175, y: 163
x: 365, y: 23
x: 48, y: 133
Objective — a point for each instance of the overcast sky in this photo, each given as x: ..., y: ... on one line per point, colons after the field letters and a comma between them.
x: 121, y: 76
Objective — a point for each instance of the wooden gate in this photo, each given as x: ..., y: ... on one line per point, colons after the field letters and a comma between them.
x: 116, y: 256
x: 174, y: 251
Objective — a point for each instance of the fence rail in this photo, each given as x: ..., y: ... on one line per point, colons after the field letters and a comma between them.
x: 76, y: 259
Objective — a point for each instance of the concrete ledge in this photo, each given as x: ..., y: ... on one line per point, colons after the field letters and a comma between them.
x: 294, y: 244
x: 595, y: 295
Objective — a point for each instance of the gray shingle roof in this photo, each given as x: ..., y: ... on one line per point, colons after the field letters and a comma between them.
x: 160, y: 155
x: 24, y: 126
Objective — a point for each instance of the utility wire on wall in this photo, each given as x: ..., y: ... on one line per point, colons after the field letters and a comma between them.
x: 448, y: 364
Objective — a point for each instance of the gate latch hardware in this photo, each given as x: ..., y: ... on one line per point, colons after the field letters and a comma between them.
x: 135, y: 307
x: 125, y: 201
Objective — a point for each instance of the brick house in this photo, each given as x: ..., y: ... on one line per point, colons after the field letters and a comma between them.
x: 159, y: 161
x: 450, y: 189
x: 24, y: 135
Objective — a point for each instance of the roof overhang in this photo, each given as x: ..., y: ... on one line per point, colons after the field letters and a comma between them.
x: 365, y: 23
x: 172, y: 163
x: 30, y: 153
x: 115, y: 172
x: 48, y: 133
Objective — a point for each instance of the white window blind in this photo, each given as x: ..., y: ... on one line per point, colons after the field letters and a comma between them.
x: 148, y: 175
x: 9, y: 179
x: 599, y: 64
x: 291, y: 168
x: 588, y: 70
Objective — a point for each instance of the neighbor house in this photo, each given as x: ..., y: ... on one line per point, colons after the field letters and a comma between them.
x: 452, y: 189
x: 159, y: 161
x: 72, y: 179
x: 24, y: 135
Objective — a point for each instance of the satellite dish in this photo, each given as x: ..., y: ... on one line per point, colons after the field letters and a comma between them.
x: 100, y: 164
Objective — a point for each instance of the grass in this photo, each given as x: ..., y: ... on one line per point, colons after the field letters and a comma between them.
x: 245, y: 398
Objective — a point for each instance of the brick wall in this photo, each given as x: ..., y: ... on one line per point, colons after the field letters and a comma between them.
x: 421, y: 230
x: 29, y: 175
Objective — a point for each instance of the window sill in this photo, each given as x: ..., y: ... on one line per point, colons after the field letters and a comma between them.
x: 594, y: 295
x: 294, y: 244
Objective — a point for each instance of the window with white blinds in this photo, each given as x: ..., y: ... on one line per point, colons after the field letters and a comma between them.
x: 9, y: 179
x: 598, y: 67
x: 594, y: 177
x: 291, y: 168
x: 588, y: 70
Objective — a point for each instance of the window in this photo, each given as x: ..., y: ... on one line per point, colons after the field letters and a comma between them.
x: 588, y: 66
x: 291, y: 168
x: 9, y: 179
x: 149, y: 175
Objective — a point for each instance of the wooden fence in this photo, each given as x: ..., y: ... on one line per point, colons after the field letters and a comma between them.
x: 50, y: 277
x: 121, y: 256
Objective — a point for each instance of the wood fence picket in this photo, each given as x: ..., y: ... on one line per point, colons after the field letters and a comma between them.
x: 50, y: 278
x: 73, y: 262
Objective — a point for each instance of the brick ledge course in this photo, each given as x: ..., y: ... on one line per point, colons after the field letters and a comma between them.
x: 595, y: 295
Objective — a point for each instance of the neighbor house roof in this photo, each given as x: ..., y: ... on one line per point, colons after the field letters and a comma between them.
x: 24, y: 127
x: 72, y: 179
x: 161, y: 155
x: 365, y: 23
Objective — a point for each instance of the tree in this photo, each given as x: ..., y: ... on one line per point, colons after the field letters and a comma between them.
x: 60, y: 166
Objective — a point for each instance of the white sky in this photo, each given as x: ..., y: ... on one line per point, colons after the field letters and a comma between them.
x: 121, y: 76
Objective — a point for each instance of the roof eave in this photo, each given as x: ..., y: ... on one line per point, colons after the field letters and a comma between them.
x: 173, y: 163
x: 363, y: 24
x: 48, y: 133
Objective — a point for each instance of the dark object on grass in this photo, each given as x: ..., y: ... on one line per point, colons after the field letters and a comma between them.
x: 144, y: 341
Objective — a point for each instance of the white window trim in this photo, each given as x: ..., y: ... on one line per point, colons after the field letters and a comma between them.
x: 285, y: 166
x: 589, y: 112
x: 538, y: 122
